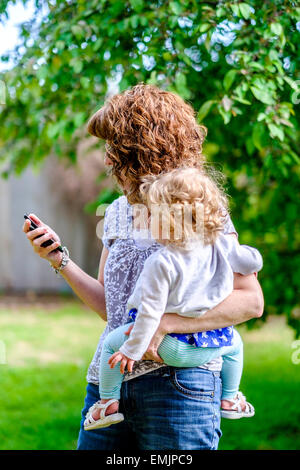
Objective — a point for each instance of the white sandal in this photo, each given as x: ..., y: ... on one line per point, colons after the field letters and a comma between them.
x: 92, y: 408
x: 236, y: 411
x: 104, y: 421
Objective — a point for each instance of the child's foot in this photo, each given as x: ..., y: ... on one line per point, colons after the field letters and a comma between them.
x: 237, y: 408
x: 102, y: 414
x: 113, y: 407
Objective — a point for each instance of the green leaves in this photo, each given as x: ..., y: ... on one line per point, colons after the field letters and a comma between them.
x: 276, y: 131
x: 245, y: 10
x: 78, y: 31
x: 176, y: 7
x: 106, y: 196
x: 204, y: 27
x: 137, y: 5
x: 204, y: 110
x: 229, y: 79
x: 263, y: 90
x: 258, y: 135
x: 262, y: 95
x: 235, y: 62
x: 276, y: 28
x: 76, y: 64
x: 241, y: 10
x: 97, y: 45
x: 181, y: 85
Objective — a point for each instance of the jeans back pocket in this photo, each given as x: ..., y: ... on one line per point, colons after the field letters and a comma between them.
x: 195, y: 382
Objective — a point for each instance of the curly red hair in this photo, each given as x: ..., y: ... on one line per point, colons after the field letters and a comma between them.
x: 147, y: 131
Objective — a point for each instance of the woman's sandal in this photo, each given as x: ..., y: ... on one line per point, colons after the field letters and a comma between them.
x: 104, y: 421
x: 236, y: 411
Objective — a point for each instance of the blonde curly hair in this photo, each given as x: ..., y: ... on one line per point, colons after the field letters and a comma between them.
x: 147, y: 131
x: 190, y: 205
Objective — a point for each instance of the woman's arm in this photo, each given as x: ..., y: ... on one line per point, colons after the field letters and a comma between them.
x: 87, y: 288
x: 245, y: 302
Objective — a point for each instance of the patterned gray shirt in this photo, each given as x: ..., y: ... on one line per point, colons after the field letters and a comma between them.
x: 125, y: 261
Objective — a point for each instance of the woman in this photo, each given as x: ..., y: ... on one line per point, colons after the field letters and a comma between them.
x: 148, y: 131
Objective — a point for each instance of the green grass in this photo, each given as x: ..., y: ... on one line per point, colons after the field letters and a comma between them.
x: 43, y: 383
x: 272, y: 383
x: 48, y: 352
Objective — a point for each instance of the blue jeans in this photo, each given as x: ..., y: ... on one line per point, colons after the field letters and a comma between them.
x: 169, y: 408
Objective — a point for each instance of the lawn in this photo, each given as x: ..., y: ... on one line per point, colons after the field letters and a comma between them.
x: 43, y: 382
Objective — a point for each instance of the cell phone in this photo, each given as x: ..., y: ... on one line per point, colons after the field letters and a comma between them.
x: 49, y: 242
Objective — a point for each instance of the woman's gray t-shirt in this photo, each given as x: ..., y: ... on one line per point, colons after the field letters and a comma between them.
x: 125, y: 261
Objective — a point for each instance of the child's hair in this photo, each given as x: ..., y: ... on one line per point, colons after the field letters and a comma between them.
x: 192, y: 204
x: 147, y: 131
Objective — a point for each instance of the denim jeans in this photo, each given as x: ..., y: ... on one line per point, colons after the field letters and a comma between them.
x: 169, y: 408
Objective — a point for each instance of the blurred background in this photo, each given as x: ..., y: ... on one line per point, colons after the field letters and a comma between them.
x: 237, y: 63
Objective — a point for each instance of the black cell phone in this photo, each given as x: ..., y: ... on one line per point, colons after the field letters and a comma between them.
x: 46, y: 243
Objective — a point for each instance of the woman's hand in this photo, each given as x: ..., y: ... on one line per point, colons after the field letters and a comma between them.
x: 125, y: 361
x: 151, y: 354
x: 44, y: 233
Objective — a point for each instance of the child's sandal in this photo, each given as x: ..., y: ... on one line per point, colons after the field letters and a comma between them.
x: 92, y: 408
x: 236, y: 411
x: 104, y: 421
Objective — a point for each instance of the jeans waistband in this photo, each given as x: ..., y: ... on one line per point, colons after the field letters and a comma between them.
x: 169, y: 370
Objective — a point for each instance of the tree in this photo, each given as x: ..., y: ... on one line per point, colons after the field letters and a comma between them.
x: 235, y: 61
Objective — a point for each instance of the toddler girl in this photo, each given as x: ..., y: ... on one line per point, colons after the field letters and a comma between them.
x: 191, y: 273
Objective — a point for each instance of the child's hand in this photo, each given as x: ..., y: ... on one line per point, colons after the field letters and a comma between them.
x: 125, y: 361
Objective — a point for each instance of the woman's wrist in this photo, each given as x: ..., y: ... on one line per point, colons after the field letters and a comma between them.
x: 173, y: 323
x: 64, y: 259
x: 55, y: 264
